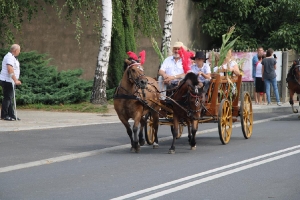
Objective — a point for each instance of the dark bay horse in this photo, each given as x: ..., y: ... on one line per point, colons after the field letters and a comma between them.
x: 293, y: 81
x: 186, y: 103
x: 132, y: 99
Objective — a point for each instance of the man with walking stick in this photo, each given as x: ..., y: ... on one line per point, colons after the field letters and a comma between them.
x: 9, y: 78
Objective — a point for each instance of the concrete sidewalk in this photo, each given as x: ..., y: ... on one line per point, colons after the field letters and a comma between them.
x: 31, y: 120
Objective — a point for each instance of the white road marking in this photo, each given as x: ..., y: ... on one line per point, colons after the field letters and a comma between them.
x: 99, y: 151
x: 203, y: 180
x: 213, y: 171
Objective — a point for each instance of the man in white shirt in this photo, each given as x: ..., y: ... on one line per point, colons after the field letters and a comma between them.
x: 171, y: 70
x: 9, y: 76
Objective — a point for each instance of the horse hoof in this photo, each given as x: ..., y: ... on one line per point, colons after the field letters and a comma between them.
x: 132, y: 149
x: 137, y: 150
x: 155, y: 145
x: 193, y: 148
x: 171, y: 151
x: 299, y: 117
x: 142, y: 142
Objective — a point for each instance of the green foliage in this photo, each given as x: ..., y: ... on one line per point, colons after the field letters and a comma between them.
x: 118, y: 51
x: 43, y: 84
x: 146, y: 18
x: 225, y: 47
x: 162, y: 55
x: 258, y: 22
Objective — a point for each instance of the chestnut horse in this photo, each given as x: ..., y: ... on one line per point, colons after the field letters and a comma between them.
x: 187, y: 105
x: 132, y: 99
x: 293, y: 81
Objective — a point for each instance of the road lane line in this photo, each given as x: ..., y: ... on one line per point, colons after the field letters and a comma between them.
x: 99, y: 151
x: 215, y: 176
x: 204, y: 173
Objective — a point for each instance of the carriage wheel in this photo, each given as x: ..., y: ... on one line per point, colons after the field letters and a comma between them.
x: 225, y: 121
x: 180, y: 131
x: 246, y: 115
x: 149, y: 130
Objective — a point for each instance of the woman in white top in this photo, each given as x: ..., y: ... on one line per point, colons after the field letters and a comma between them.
x: 260, y: 89
x: 230, y: 64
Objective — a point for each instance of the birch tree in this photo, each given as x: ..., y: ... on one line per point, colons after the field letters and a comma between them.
x: 99, y: 86
x: 167, y: 29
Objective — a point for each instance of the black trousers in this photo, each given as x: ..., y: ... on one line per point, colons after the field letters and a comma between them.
x: 7, y: 109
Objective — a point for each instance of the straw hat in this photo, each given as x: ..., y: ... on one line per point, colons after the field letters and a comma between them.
x: 178, y: 45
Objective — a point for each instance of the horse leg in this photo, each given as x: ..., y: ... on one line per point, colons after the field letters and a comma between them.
x: 194, y: 130
x: 174, y: 133
x: 135, y: 128
x: 155, y: 126
x: 299, y: 104
x: 141, y: 135
x: 189, y: 131
x: 292, y: 101
x: 129, y: 132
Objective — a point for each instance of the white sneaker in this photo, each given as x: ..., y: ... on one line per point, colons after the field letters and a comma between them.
x: 279, y: 103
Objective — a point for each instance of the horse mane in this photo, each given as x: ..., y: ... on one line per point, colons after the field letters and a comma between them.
x: 192, y: 77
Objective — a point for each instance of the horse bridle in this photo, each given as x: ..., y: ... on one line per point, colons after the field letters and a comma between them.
x: 189, y: 111
x: 136, y: 81
x: 189, y: 94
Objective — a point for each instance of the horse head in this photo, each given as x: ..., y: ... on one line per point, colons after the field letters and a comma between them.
x: 190, y: 92
x: 296, y: 73
x: 135, y: 73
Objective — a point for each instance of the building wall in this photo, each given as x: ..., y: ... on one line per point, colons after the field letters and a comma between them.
x: 56, y: 37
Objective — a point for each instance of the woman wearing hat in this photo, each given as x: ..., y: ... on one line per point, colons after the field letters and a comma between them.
x: 203, y: 70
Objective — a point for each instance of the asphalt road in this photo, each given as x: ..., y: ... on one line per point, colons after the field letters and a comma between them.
x: 94, y: 162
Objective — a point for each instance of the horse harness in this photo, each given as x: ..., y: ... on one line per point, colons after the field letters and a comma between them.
x: 185, y: 103
x: 293, y: 74
x: 136, y: 95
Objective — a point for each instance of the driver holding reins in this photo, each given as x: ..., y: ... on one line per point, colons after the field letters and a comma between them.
x: 171, y: 71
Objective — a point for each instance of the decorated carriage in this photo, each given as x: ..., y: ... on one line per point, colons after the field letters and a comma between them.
x: 221, y: 106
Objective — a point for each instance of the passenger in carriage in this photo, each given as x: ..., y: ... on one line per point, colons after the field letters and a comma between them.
x: 216, y: 58
x: 203, y: 70
x: 171, y: 70
x: 230, y: 64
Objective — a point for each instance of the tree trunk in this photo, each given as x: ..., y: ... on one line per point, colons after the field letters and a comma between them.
x: 167, y: 30
x: 99, y: 86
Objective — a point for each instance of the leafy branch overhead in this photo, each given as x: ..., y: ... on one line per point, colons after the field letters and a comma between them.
x: 225, y: 45
x: 259, y: 22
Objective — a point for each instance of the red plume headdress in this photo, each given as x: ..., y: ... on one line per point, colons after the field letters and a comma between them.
x: 186, y: 59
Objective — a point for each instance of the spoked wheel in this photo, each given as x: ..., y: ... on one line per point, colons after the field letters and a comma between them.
x: 225, y: 121
x: 246, y: 115
x: 180, y: 131
x: 149, y: 130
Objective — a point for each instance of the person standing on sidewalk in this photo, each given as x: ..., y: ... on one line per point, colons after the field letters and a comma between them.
x: 260, y: 50
x: 259, y: 84
x: 269, y: 75
x: 9, y: 75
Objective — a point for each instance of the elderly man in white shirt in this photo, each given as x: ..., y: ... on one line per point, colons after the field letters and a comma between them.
x: 9, y: 75
x: 171, y: 70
